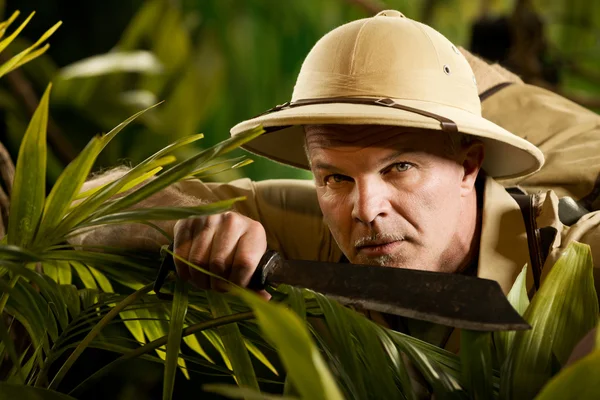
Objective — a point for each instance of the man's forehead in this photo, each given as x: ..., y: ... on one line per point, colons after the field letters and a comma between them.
x: 337, y: 135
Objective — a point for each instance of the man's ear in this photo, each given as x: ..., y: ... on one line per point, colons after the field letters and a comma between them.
x: 471, y: 161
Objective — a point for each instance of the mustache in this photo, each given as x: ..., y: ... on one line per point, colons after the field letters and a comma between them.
x: 378, y: 238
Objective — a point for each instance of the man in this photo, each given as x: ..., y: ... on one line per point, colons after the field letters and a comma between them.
x: 386, y: 114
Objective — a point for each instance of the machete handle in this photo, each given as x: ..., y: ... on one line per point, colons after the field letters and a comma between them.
x: 269, y: 261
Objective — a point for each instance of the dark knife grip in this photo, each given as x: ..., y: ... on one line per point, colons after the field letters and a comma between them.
x: 269, y: 261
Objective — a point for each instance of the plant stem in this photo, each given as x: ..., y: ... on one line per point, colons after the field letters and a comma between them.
x: 148, y: 347
x: 94, y: 332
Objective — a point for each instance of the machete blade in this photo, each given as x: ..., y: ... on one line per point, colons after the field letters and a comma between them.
x: 461, y: 301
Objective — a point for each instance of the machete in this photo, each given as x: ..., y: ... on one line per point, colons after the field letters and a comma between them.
x: 460, y: 301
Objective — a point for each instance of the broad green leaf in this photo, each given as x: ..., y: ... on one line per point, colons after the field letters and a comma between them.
x: 234, y: 342
x: 518, y: 298
x: 22, y: 392
x: 178, y: 312
x: 301, y: 358
x: 30, y: 179
x: 236, y: 392
x: 85, y: 275
x: 577, y: 381
x: 476, y: 360
x: 560, y: 314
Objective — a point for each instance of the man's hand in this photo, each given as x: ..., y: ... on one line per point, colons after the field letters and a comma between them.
x: 229, y: 245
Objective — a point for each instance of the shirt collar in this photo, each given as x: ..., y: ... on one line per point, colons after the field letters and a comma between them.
x: 503, y: 249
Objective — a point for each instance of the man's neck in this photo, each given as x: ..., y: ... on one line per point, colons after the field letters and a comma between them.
x: 470, y: 236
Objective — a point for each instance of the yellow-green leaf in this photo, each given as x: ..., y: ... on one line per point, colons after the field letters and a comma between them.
x: 30, y: 179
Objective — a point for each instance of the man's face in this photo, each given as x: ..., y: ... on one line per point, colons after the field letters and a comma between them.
x: 396, y: 196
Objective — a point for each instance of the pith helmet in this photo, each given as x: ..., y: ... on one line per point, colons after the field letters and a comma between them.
x: 387, y: 70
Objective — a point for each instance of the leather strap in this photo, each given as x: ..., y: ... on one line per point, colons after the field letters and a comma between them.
x: 493, y: 90
x: 447, y: 124
x: 539, y: 240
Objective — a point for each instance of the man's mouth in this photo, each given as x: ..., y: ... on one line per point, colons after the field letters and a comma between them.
x: 379, y: 247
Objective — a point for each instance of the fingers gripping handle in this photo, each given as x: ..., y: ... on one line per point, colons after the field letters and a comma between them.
x: 269, y: 261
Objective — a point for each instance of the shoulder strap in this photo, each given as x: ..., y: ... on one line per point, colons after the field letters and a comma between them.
x: 539, y: 240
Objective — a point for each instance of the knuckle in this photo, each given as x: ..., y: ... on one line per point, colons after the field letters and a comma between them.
x: 218, y: 263
x: 245, y: 262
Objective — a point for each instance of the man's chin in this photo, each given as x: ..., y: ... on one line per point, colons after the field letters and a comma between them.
x: 386, y: 260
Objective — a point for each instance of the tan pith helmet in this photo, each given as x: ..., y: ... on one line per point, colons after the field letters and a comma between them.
x: 387, y: 70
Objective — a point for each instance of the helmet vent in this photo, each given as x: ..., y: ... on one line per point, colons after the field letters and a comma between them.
x: 447, y: 69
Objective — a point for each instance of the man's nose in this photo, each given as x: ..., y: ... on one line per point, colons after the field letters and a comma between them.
x: 370, y: 201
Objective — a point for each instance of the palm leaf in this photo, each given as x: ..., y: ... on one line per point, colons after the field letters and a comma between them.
x: 179, y: 171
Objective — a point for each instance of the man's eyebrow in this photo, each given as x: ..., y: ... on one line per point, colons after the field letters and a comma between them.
x: 396, y: 155
x: 392, y: 157
x: 324, y: 165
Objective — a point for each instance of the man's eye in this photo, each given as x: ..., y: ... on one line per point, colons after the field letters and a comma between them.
x: 402, y: 166
x: 335, y: 178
